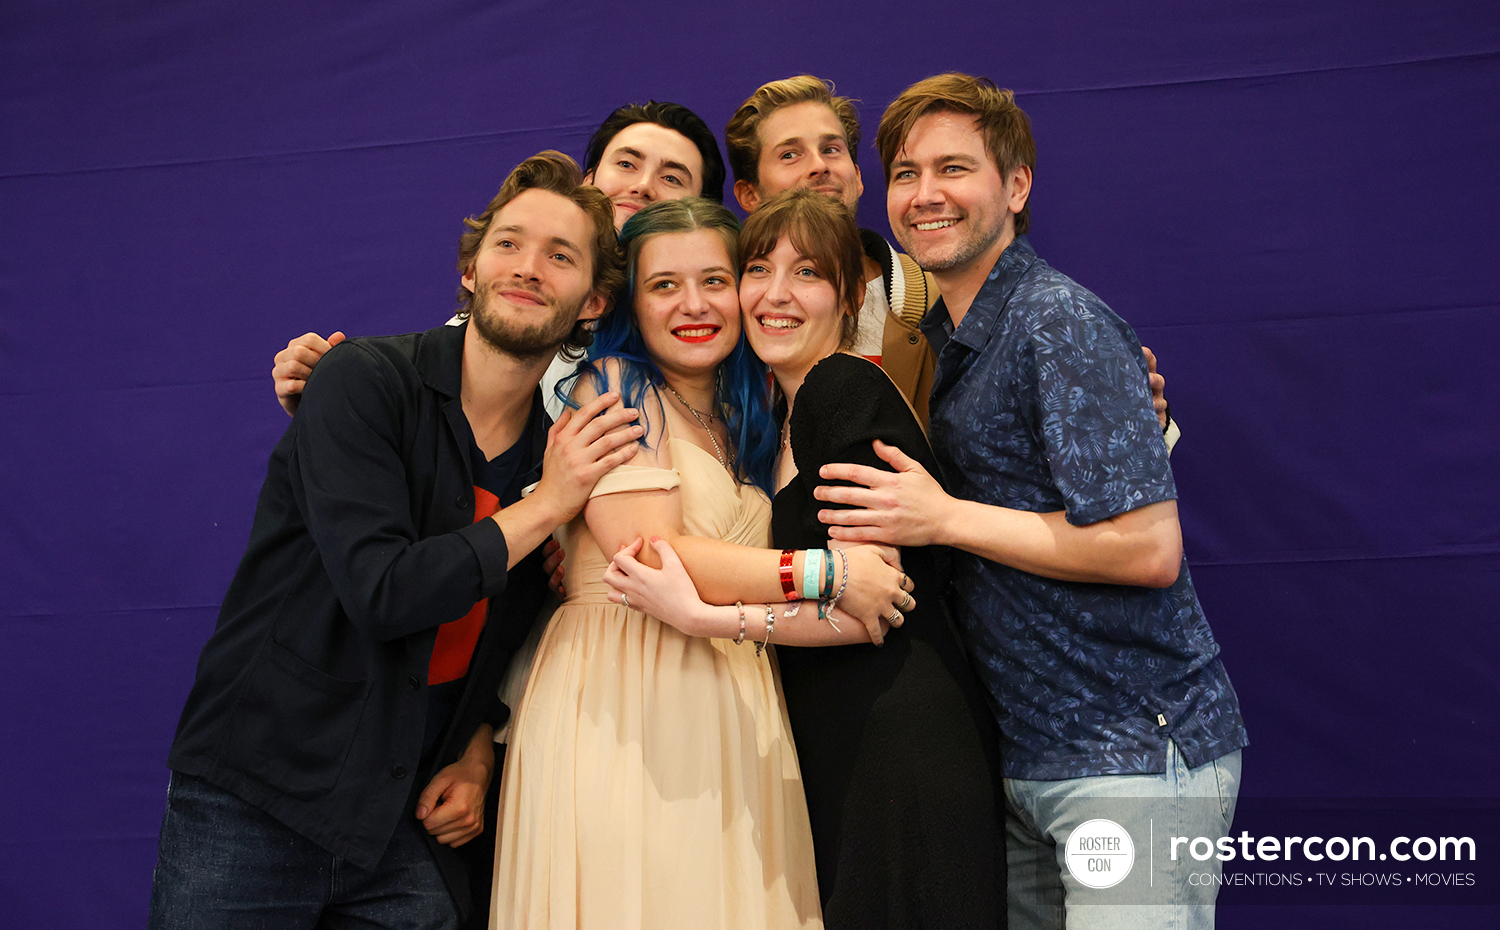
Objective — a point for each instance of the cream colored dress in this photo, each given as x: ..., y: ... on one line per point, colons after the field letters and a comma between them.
x: 650, y: 780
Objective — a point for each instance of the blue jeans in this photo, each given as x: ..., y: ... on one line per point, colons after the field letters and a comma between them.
x: 1159, y: 892
x: 224, y: 863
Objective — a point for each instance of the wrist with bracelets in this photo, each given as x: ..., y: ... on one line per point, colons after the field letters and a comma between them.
x: 817, y: 581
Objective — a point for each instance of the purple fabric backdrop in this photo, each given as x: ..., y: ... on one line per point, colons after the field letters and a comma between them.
x: 1294, y: 206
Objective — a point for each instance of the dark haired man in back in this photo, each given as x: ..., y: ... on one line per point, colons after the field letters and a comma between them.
x: 641, y: 153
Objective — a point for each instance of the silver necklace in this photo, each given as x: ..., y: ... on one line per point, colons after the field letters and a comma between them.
x: 701, y: 414
x: 718, y: 450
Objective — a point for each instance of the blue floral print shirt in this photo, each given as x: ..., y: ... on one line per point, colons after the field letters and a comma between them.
x: 1041, y: 403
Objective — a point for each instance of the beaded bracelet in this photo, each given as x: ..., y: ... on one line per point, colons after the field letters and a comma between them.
x: 741, y: 608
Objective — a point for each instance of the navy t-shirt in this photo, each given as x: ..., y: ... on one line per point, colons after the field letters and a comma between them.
x: 498, y: 483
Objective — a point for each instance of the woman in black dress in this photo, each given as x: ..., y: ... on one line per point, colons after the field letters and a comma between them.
x: 899, y: 751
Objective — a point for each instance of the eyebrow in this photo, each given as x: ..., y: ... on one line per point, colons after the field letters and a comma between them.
x: 712, y: 268
x: 679, y: 166
x: 953, y: 158
x: 825, y: 137
x: 553, y: 241
x: 638, y: 155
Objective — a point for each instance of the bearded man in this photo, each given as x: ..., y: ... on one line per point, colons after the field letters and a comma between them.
x: 337, y: 743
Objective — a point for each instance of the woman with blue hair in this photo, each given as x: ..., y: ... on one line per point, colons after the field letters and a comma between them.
x: 650, y: 778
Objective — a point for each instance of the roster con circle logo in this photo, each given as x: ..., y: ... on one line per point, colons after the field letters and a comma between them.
x: 1100, y: 853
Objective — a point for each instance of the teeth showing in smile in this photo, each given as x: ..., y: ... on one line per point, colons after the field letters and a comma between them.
x: 936, y: 224
x: 695, y: 332
x: 783, y: 323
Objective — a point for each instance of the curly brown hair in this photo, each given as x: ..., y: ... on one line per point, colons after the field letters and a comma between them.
x: 552, y: 171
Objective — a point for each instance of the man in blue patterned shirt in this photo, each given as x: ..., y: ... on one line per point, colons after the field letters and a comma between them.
x: 1070, y: 585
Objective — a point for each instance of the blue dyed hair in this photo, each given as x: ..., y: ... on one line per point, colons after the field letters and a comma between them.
x: 742, y: 394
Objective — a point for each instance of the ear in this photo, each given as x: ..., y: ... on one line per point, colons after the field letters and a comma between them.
x: 588, y: 178
x: 748, y: 195
x: 860, y: 180
x: 1020, y: 188
x: 468, y: 278
x: 593, y: 307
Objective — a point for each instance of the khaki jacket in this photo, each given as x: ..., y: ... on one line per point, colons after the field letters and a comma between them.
x: 904, y: 353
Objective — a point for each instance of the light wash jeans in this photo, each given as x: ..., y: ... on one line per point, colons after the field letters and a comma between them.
x: 1160, y: 892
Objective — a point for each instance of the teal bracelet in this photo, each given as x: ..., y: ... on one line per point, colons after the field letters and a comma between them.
x: 827, y: 574
x: 812, y: 571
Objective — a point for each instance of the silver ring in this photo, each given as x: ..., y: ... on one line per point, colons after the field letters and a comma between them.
x: 906, y: 600
x: 904, y: 580
x: 894, y: 619
x: 625, y: 600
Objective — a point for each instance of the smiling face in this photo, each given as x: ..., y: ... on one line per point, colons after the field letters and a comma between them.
x: 685, y: 304
x: 532, y: 278
x: 948, y: 204
x: 793, y: 318
x: 645, y: 163
x: 803, y: 145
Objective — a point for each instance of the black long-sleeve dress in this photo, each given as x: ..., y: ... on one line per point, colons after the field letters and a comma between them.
x: 899, y: 750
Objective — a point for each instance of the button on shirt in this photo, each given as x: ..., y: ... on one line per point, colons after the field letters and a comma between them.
x: 1041, y: 403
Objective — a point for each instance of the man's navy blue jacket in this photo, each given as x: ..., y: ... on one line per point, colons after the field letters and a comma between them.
x: 311, y: 695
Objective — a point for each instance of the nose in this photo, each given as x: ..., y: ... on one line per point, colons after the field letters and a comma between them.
x: 926, y: 192
x: 694, y: 301
x: 816, y: 165
x: 528, y: 265
x: 645, y: 188
x: 777, y: 291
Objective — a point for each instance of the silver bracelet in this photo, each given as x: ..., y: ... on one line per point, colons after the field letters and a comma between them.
x: 770, y: 628
x: 843, y: 586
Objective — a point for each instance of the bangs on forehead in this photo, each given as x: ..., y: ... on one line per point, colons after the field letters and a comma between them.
x: 814, y: 240
x: 810, y: 243
x: 820, y: 250
x: 819, y: 228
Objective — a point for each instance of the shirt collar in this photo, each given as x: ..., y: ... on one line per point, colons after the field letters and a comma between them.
x: 979, y: 323
x: 440, y: 358
x: 440, y: 362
